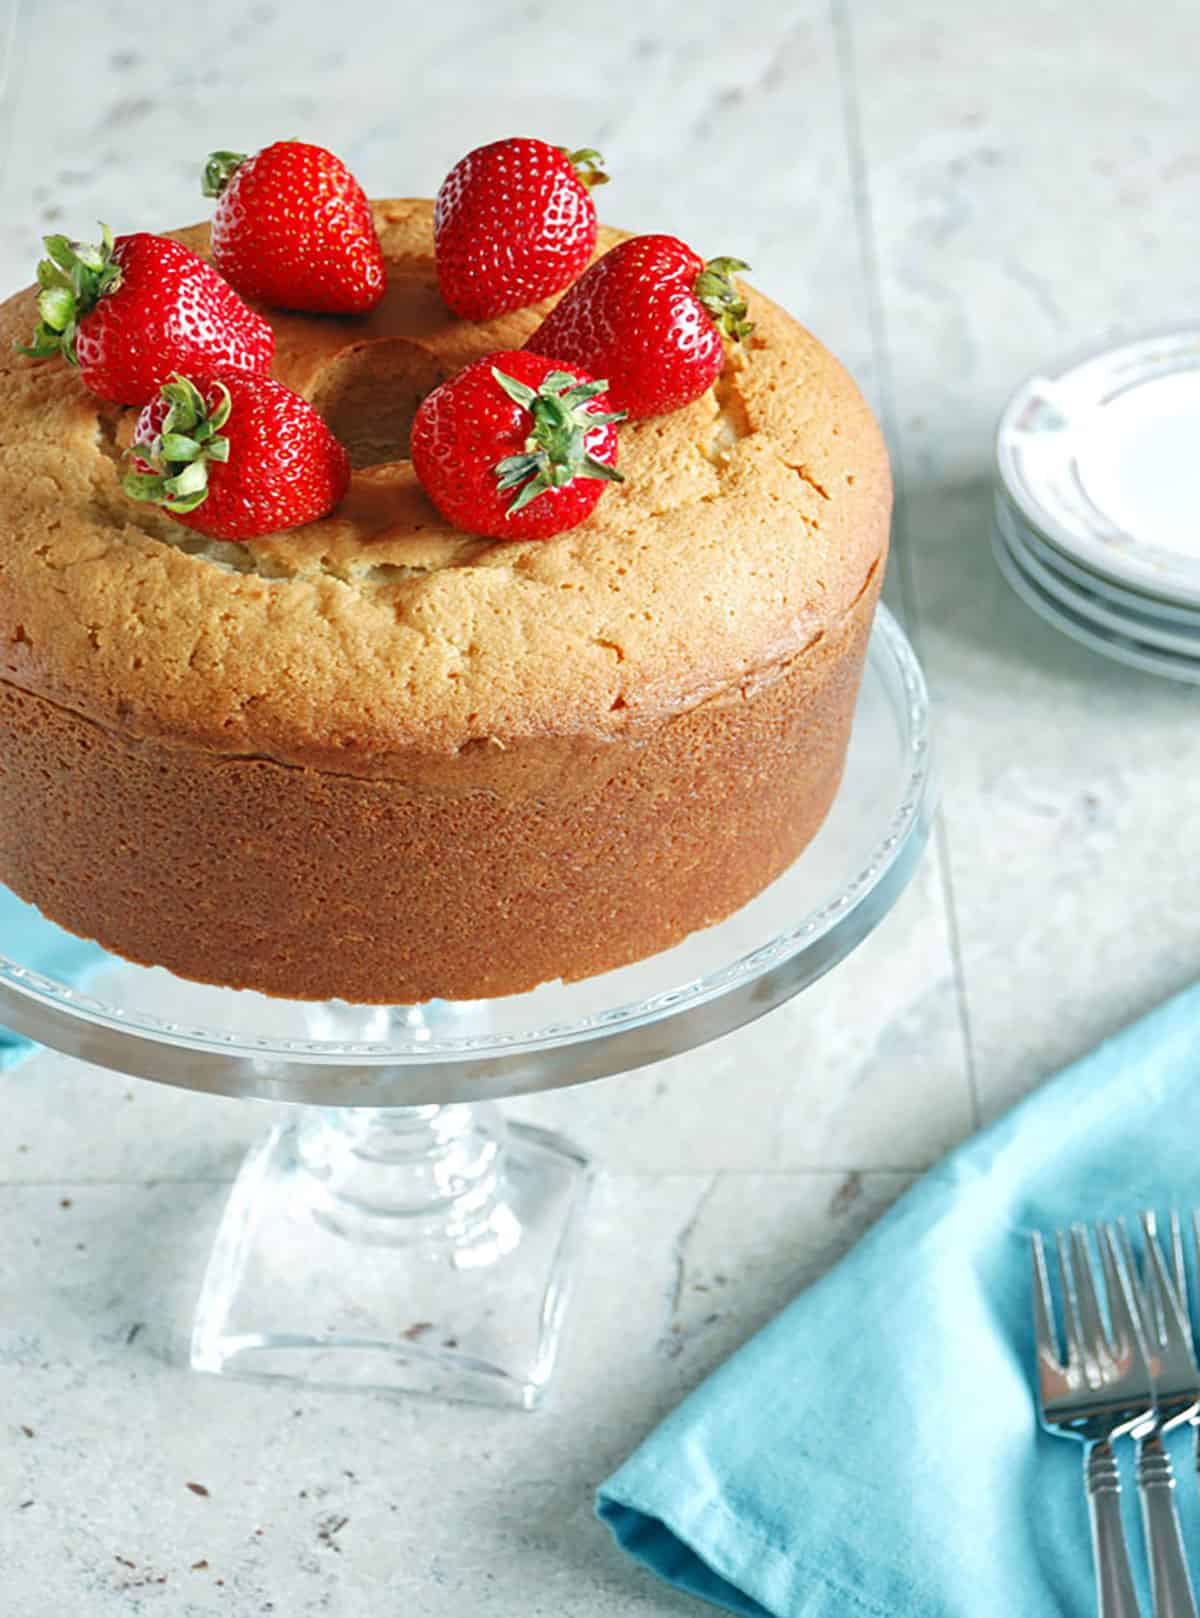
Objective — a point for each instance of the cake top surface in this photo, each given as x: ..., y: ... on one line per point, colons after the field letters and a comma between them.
x: 749, y: 524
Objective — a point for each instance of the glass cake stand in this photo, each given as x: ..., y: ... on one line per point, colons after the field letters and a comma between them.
x: 395, y: 1233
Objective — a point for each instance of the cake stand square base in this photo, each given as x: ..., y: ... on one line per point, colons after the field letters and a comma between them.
x: 422, y: 1250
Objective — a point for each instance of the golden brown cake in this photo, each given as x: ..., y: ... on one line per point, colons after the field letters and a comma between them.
x: 381, y: 760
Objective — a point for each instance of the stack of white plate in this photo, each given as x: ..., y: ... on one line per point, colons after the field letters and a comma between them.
x: 1098, y: 502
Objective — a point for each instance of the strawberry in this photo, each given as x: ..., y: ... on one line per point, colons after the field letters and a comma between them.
x: 293, y: 227
x: 130, y: 312
x: 514, y: 420
x: 651, y: 316
x: 236, y: 457
x: 513, y: 223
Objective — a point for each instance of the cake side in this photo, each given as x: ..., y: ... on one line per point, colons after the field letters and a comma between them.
x: 313, y: 885
x: 380, y: 642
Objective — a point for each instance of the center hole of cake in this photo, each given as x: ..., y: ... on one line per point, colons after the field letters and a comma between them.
x: 369, y: 395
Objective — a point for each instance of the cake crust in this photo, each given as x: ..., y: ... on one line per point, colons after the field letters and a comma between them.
x: 746, y: 528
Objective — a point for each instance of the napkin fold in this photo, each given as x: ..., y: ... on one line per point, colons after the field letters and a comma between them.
x: 28, y: 938
x: 875, y: 1450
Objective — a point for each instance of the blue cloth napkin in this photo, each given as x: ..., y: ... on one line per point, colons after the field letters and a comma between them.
x: 28, y: 938
x: 875, y: 1450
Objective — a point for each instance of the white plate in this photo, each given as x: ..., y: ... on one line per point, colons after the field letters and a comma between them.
x: 1101, y: 459
x: 1120, y: 648
x: 1123, y: 619
x: 1117, y: 595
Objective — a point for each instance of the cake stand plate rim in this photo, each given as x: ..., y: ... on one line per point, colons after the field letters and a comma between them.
x: 339, y: 1074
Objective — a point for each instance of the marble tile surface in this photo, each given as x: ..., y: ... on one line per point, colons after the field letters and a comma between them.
x: 1014, y: 225
x: 320, y: 1503
x: 948, y: 203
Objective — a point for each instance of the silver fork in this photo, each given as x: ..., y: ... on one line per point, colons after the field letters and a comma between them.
x: 1160, y: 1311
x: 1181, y: 1287
x: 1098, y: 1393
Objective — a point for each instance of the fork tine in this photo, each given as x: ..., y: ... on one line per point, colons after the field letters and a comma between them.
x: 1043, y: 1306
x: 1152, y: 1278
x: 1124, y: 1246
x: 1174, y: 1328
x: 1178, y: 1263
x: 1096, y: 1343
x: 1122, y: 1303
x: 1075, y: 1347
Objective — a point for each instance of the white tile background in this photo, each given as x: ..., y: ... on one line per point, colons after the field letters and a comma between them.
x: 949, y: 196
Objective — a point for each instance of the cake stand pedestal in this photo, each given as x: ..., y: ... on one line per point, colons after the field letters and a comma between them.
x: 396, y: 1233
x: 424, y: 1249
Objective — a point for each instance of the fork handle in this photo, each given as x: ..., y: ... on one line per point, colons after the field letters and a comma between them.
x: 1170, y: 1583
x: 1116, y: 1597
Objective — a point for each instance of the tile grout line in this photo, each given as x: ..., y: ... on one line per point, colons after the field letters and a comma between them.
x: 59, y: 1181
x: 954, y: 938
x: 881, y: 351
x: 12, y: 44
x: 823, y: 1171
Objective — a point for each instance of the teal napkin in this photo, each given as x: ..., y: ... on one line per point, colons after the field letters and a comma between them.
x: 875, y: 1450
x: 29, y: 939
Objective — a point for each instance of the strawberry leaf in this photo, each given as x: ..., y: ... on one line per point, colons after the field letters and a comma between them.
x: 187, y: 404
x: 588, y: 165
x: 56, y: 305
x: 50, y: 275
x: 192, y: 480
x: 716, y: 291
x: 593, y: 468
x: 59, y: 250
x: 220, y: 415
x: 90, y: 257
x: 580, y: 392
x: 73, y: 277
x: 142, y: 485
x: 527, y: 495
x: 519, y: 392
x: 514, y: 469
x: 219, y: 169
x: 178, y: 447
x: 180, y: 456
x: 555, y: 453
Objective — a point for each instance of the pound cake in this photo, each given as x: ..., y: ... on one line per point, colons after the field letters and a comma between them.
x: 380, y: 760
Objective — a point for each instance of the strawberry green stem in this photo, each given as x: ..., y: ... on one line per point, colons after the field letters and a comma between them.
x: 716, y: 291
x: 219, y: 169
x: 72, y: 279
x: 588, y: 165
x: 554, y: 451
x: 180, y: 454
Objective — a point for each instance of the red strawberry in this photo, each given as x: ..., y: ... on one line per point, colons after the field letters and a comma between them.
x: 236, y: 457
x: 651, y: 317
x: 293, y: 228
x: 131, y: 312
x: 513, y: 223
x: 514, y: 420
